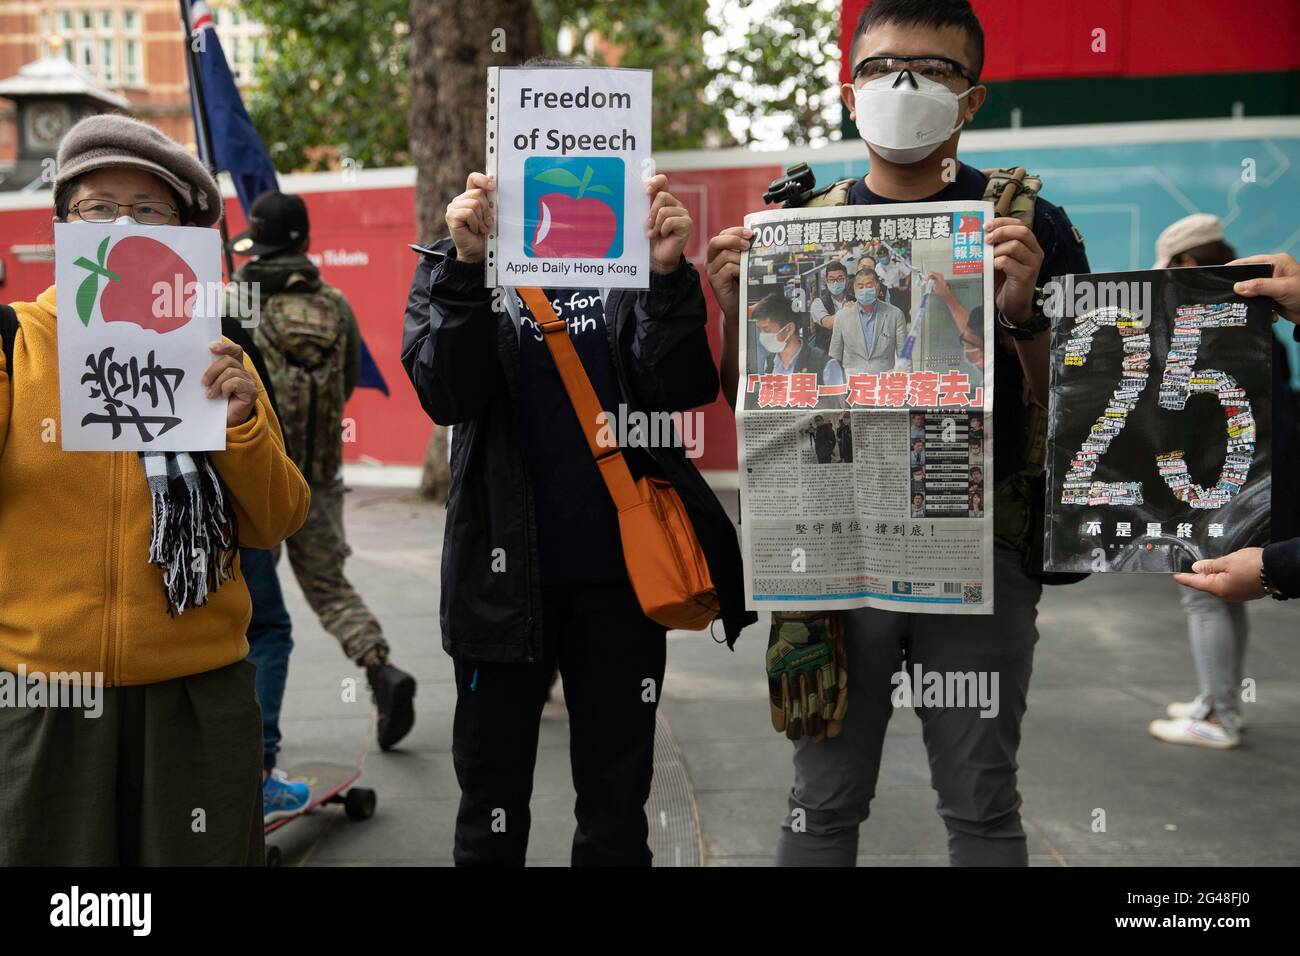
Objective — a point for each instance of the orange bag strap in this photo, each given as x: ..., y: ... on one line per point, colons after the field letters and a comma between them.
x: 613, y: 467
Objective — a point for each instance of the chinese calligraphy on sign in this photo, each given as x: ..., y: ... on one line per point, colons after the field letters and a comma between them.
x: 136, y: 318
x: 122, y: 386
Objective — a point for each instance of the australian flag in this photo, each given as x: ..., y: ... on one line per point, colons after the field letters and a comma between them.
x: 223, y: 128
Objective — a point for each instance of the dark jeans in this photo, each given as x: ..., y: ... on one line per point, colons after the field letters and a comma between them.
x: 270, y: 639
x: 611, y: 658
x: 972, y: 751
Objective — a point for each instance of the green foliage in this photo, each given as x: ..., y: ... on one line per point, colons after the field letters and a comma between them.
x: 667, y: 36
x: 785, y: 71
x: 333, y: 84
x: 335, y: 77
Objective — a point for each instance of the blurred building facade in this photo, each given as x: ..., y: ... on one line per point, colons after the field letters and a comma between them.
x: 131, y: 48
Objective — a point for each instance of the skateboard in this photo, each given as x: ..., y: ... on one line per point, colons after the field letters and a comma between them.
x: 329, y: 783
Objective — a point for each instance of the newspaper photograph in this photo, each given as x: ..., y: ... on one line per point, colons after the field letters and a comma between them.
x: 864, y: 419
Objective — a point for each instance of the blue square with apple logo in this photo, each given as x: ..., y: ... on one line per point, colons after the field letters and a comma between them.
x: 573, y: 207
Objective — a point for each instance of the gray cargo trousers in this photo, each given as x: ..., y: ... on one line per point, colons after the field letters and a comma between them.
x: 972, y: 757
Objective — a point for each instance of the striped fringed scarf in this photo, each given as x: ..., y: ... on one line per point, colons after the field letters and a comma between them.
x: 194, y: 532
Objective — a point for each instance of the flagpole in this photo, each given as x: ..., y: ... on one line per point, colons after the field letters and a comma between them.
x: 203, y: 137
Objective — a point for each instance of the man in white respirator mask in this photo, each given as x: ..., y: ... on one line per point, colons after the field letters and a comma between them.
x: 903, y: 108
x: 915, y: 84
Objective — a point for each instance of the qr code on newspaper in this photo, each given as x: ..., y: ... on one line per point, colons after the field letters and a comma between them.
x: 972, y: 593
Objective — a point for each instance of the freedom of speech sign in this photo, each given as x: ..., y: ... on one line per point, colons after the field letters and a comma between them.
x: 570, y: 151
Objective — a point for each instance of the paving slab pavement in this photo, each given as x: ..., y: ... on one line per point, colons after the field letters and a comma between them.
x: 1112, y: 651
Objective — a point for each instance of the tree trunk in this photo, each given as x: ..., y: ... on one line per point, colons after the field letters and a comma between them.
x: 452, y: 45
x: 435, y: 480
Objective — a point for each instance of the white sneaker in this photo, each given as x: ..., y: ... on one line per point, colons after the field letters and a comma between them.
x: 1197, y: 733
x: 1192, y: 708
x: 1185, y: 708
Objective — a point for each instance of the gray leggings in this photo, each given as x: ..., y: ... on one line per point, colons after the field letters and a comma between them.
x: 1218, y: 630
x: 972, y: 758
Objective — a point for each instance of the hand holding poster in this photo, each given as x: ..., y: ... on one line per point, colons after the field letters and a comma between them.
x: 570, y: 150
x: 1160, y: 422
x: 864, y: 420
x: 138, y: 308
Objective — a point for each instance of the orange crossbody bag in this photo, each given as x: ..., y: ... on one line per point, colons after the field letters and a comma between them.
x: 663, y: 556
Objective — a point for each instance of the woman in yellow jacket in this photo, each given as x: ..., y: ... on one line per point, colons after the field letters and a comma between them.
x: 101, y: 582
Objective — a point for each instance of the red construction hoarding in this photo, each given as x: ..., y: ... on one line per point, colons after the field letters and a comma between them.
x: 361, y: 226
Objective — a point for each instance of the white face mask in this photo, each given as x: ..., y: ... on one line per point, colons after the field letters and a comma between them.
x: 905, y: 117
x: 771, y: 342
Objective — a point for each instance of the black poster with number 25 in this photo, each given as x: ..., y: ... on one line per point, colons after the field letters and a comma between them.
x: 1160, y: 423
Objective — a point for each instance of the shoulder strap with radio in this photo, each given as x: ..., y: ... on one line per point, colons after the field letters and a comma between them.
x: 665, y: 562
x: 1012, y: 190
x: 836, y: 194
x: 1019, y: 513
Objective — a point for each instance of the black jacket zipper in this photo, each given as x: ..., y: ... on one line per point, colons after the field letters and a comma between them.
x: 510, y: 369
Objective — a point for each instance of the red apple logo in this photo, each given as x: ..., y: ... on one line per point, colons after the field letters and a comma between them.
x: 149, y: 285
x: 577, y: 226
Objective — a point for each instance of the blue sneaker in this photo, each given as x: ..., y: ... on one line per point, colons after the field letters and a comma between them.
x: 282, y: 797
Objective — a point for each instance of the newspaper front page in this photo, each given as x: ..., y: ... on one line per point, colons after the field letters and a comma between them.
x: 864, y: 419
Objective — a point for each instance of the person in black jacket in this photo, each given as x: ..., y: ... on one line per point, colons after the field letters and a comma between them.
x: 844, y: 434
x: 532, y: 568
x: 823, y: 440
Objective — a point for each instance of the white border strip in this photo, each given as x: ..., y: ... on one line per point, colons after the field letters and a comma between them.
x: 338, y: 180
x: 740, y: 157
x: 493, y: 153
x: 1108, y: 134
x: 361, y: 474
x: 366, y: 475
x: 722, y: 480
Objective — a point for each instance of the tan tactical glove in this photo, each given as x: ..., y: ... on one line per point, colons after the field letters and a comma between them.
x: 806, y: 674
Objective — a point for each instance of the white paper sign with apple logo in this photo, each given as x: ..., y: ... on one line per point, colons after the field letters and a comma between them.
x: 570, y: 150
x: 138, y: 308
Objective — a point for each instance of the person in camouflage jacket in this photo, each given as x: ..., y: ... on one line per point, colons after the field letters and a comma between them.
x: 309, y: 339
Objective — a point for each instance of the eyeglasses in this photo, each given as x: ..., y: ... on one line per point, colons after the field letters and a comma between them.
x: 145, y: 213
x: 937, y: 68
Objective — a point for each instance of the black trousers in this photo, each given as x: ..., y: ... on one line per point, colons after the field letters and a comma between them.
x: 611, y: 658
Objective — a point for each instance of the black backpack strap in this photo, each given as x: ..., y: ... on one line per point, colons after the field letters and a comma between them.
x: 9, y: 332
